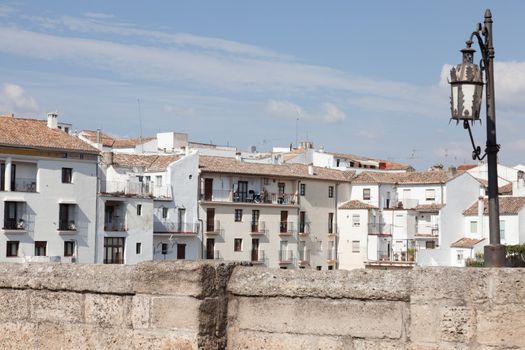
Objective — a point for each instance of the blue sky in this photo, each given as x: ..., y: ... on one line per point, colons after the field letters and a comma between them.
x: 365, y: 78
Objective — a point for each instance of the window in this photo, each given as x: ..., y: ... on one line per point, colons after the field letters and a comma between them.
x: 430, y: 245
x: 164, y: 248
x: 356, y: 246
x: 366, y: 194
x: 337, y: 162
x: 459, y: 255
x: 40, y: 248
x: 13, y: 213
x: 164, y: 213
x: 281, y: 187
x: 356, y: 220
x: 66, y: 217
x: 318, y: 268
x: 12, y: 249
x: 502, y: 229
x: 330, y: 267
x: 158, y: 180
x: 330, y: 222
x: 238, y: 215
x: 139, y: 209
x: 266, y: 181
x: 430, y: 194
x: 473, y: 227
x: 237, y: 245
x: 138, y: 248
x: 330, y: 191
x: 69, y: 248
x: 114, y: 250
x: 67, y: 175
x: 302, y: 189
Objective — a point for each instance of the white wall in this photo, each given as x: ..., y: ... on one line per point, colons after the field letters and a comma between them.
x: 349, y: 231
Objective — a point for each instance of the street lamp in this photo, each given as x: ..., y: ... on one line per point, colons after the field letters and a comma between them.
x: 466, y: 82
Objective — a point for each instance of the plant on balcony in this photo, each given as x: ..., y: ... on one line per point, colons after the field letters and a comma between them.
x: 411, y: 252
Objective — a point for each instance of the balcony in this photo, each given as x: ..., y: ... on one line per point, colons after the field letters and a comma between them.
x: 407, y: 203
x: 304, y: 257
x: 24, y: 185
x: 250, y: 197
x: 427, y: 230
x: 258, y: 228
x: 175, y: 227
x: 333, y: 231
x: 285, y: 256
x: 115, y: 226
x: 213, y: 227
x: 15, y: 226
x: 286, y: 228
x: 331, y: 256
x: 304, y: 229
x: 67, y: 226
x: 135, y: 188
x: 379, y: 229
x: 257, y: 256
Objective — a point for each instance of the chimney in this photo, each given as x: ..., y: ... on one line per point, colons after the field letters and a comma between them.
x: 98, y: 137
x: 310, y: 169
x: 107, y: 157
x: 52, y: 120
x: 238, y: 156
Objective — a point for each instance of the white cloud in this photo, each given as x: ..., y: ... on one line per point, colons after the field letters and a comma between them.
x: 14, y: 99
x: 98, y: 15
x: 369, y: 135
x: 327, y: 113
x: 331, y: 114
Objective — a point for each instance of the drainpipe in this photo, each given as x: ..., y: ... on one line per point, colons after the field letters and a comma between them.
x: 96, y: 211
x: 199, y: 179
x: 336, y: 227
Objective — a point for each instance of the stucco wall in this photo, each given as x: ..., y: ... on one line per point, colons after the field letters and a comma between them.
x: 207, y: 305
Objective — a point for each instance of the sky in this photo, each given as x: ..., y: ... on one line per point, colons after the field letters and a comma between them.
x: 366, y: 78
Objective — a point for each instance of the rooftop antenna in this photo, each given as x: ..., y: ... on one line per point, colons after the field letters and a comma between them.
x: 297, y: 128
x: 140, y: 126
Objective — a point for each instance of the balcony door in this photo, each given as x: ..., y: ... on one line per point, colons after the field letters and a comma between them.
x: 208, y: 189
x: 302, y: 221
x: 210, y: 220
x: 284, y: 221
x: 242, y: 191
x: 2, y: 176
x: 255, y: 220
x: 181, y: 220
x: 10, y: 215
x: 255, y: 249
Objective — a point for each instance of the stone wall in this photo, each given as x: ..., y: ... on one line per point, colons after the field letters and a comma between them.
x: 176, y: 305
x: 431, y: 308
x: 201, y: 305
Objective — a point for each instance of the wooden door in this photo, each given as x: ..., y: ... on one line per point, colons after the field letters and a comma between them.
x: 284, y: 221
x: 210, y: 248
x: 181, y: 251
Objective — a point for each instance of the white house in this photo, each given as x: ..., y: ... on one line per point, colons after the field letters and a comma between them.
x: 48, y: 192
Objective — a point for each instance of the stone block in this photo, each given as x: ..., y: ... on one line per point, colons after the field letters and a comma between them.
x: 140, y: 307
x: 63, y: 307
x: 424, y: 323
x: 461, y: 284
x: 501, y: 325
x: 458, y: 323
x: 507, y: 286
x: 255, y: 340
x: 175, y: 313
x: 107, y: 310
x: 17, y: 335
x: 376, y: 319
x: 356, y: 284
x: 363, y: 344
x: 179, y: 340
x: 14, y: 305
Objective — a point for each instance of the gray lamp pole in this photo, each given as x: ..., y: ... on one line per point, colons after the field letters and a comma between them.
x: 466, y: 80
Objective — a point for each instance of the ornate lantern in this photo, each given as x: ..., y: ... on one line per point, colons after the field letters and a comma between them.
x: 466, y: 84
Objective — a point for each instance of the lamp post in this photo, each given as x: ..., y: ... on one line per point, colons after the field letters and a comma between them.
x: 466, y: 81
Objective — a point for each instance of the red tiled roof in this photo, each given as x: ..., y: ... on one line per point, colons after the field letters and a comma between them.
x: 429, y: 207
x: 226, y: 165
x: 115, y: 142
x: 149, y: 162
x: 466, y: 242
x: 426, y: 177
x: 465, y: 167
x: 507, y: 206
x: 34, y: 133
x: 355, y: 204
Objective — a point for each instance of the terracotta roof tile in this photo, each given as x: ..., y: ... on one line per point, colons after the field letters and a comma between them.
x: 115, y: 142
x: 148, y: 162
x: 507, y: 206
x: 428, y: 207
x: 466, y: 242
x: 426, y: 177
x: 465, y: 167
x: 34, y: 133
x: 355, y: 204
x: 233, y: 166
